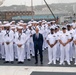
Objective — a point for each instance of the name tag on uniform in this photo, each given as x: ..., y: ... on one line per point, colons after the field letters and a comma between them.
x: 66, y: 35
x: 53, y: 36
x: 70, y: 33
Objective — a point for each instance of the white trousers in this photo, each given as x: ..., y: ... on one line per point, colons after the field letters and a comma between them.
x: 75, y: 53
x: 58, y: 50
x: 45, y: 43
x: 32, y: 48
x: 9, y: 54
x: 15, y: 51
x: 20, y: 52
x: 52, y: 53
x: 64, y: 53
x: 27, y: 50
x: 71, y: 50
x: 2, y: 51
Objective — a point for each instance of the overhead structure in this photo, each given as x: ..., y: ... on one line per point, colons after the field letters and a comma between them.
x: 50, y: 9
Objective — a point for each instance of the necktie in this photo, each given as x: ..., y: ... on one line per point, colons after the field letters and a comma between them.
x: 7, y: 33
x: 19, y: 37
x: 24, y: 31
x: 14, y: 35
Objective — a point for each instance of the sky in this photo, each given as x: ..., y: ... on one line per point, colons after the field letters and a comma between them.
x: 35, y: 2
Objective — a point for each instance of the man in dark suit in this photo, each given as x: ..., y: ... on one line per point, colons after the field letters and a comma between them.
x: 38, y: 43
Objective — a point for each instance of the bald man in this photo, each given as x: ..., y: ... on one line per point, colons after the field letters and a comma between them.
x: 38, y: 43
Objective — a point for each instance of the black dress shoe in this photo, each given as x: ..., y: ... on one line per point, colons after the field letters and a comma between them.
x: 18, y: 62
x: 16, y: 59
x: 12, y: 62
x: 41, y: 62
x: 3, y: 58
x: 29, y: 59
x: 22, y: 62
x: 33, y: 56
x: 6, y: 62
x: 36, y: 62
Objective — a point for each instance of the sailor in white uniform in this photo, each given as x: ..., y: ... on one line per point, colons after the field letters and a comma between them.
x: 52, y: 41
x: 74, y: 24
x: 74, y: 40
x: 64, y: 40
x: 27, y: 44
x: 2, y: 46
x: 71, y: 32
x: 1, y: 43
x: 8, y: 43
x: 20, y: 40
x: 57, y: 32
x: 14, y: 44
x: 32, y: 31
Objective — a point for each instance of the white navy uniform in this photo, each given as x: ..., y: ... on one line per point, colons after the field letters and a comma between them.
x: 71, y: 45
x: 44, y: 37
x: 1, y: 45
x: 20, y: 39
x: 9, y: 54
x: 52, y: 51
x: 74, y: 39
x: 64, y: 37
x: 58, y: 46
x: 31, y: 42
x: 15, y: 46
x: 27, y: 45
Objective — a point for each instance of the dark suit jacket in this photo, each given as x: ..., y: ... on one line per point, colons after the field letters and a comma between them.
x: 38, y: 41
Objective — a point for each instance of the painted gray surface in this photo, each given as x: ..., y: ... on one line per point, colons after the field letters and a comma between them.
x: 52, y: 73
x: 31, y: 63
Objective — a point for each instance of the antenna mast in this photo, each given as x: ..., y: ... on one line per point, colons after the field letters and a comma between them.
x: 50, y: 9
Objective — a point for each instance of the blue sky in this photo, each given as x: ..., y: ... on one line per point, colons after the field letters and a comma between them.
x: 36, y: 2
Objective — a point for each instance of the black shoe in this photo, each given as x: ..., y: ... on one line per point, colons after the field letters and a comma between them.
x: 33, y: 56
x: 18, y: 62
x: 36, y: 62
x: 22, y: 62
x: 12, y: 62
x: 6, y: 62
x: 41, y: 62
x: 3, y: 58
x: 16, y: 59
x: 29, y: 59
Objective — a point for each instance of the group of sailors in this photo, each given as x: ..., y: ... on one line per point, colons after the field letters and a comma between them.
x: 16, y: 41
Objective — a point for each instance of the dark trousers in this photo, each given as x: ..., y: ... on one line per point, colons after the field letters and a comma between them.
x: 38, y: 48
